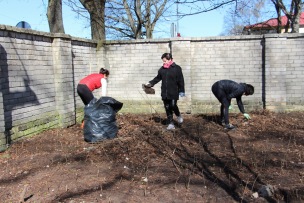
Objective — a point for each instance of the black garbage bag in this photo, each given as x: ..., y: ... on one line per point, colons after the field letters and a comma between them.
x: 100, y: 119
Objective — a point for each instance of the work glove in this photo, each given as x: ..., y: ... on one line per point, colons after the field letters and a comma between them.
x: 182, y: 94
x: 148, y: 85
x: 246, y: 115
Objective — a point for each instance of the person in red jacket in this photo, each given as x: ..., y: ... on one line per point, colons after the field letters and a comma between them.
x: 91, y: 82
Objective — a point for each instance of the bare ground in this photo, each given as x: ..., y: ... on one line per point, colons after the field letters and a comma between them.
x: 197, y: 162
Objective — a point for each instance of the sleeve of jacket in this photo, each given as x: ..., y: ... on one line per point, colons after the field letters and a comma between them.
x: 103, y: 87
x: 156, y: 79
x: 180, y: 80
x: 240, y: 104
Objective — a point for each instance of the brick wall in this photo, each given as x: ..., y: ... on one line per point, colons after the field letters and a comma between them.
x: 284, y: 72
x: 203, y: 60
x: 85, y: 60
x: 40, y: 72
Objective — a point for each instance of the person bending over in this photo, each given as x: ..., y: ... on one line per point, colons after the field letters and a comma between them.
x: 224, y: 91
x: 88, y: 84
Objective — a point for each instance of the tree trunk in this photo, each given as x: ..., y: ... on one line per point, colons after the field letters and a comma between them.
x: 96, y: 9
x: 138, y: 32
x: 278, y: 10
x: 293, y: 16
x: 54, y: 15
x: 295, y: 26
x: 149, y: 30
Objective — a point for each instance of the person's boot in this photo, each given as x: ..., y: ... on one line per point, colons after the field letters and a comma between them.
x: 223, y: 122
x: 171, y: 126
x: 229, y: 127
x: 180, y: 119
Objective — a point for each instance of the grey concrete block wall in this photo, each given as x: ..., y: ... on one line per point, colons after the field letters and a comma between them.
x: 132, y: 64
x: 181, y: 52
x: 2, y: 118
x: 64, y: 80
x: 37, y: 82
x: 284, y: 72
x: 26, y: 70
x: 233, y: 58
x: 86, y: 60
x: 40, y: 73
x: 203, y: 60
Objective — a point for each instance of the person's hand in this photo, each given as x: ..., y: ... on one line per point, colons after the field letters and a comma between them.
x: 182, y: 94
x: 148, y: 85
x: 246, y: 115
x: 230, y: 107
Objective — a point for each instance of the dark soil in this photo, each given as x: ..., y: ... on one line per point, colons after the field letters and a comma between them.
x: 197, y: 162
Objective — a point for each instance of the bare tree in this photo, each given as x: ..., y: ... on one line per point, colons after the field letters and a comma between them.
x: 122, y: 21
x: 232, y: 25
x: 137, y: 18
x: 245, y: 12
x: 96, y: 9
x: 134, y: 19
x: 194, y: 7
x: 293, y: 14
x: 278, y: 11
x: 54, y: 15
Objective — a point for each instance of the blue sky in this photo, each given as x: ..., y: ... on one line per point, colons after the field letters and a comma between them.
x: 34, y: 12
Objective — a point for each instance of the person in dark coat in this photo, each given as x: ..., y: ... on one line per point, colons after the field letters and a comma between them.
x: 172, y: 87
x: 224, y: 91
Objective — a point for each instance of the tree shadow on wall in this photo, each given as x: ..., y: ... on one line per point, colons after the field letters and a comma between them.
x: 13, y: 99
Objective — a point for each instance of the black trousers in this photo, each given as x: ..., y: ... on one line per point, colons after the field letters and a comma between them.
x: 170, y: 107
x: 84, y: 93
x: 220, y: 94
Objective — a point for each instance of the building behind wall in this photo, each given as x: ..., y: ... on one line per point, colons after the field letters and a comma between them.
x: 270, y: 26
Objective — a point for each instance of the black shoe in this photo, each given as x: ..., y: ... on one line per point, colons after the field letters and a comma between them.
x: 229, y: 127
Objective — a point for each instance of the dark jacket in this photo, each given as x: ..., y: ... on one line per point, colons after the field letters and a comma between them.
x: 172, y: 81
x: 231, y: 89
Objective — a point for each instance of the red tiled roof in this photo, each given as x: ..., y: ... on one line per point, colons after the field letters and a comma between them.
x: 273, y: 22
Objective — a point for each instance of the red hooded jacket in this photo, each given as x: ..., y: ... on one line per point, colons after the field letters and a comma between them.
x: 93, y: 81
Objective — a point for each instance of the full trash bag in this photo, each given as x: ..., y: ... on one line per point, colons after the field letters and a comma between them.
x: 100, y: 119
